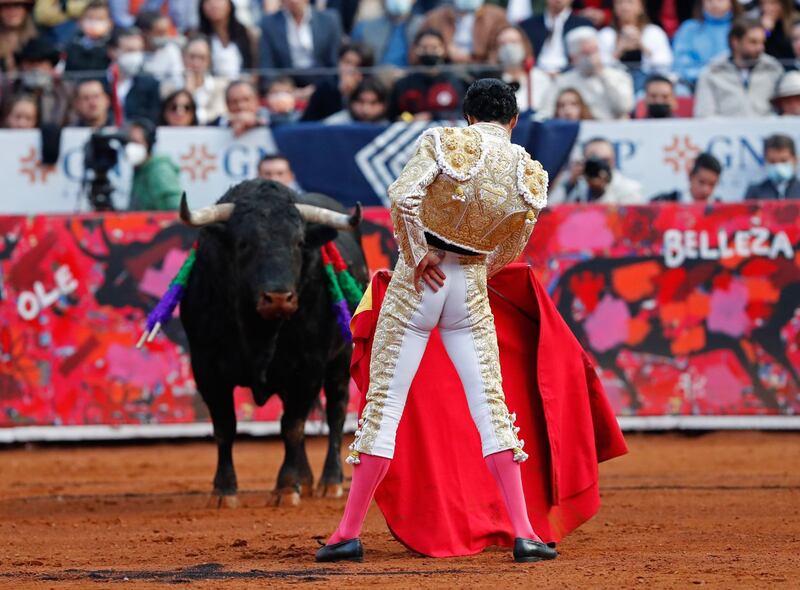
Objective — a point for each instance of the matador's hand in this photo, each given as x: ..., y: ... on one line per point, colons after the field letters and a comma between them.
x: 429, y: 271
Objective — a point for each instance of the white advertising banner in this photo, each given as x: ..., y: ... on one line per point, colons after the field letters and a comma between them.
x: 659, y: 152
x: 211, y: 160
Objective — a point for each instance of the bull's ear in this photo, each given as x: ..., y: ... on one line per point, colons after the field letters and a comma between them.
x: 317, y: 235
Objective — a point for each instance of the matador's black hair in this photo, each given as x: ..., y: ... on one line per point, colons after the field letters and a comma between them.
x: 490, y: 99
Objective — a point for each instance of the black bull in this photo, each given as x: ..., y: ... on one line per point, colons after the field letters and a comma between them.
x: 258, y: 314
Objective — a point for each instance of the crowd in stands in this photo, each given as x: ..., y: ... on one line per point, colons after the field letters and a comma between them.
x: 241, y: 64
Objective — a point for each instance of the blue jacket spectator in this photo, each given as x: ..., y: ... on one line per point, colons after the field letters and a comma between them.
x: 701, y: 39
x: 300, y: 37
x: 390, y: 36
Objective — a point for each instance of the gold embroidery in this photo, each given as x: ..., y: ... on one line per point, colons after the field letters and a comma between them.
x: 485, y: 339
x: 398, y: 307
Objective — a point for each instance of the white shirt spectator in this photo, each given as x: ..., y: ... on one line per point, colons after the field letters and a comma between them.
x: 723, y: 91
x: 518, y: 10
x: 165, y: 64
x: 552, y: 57
x: 301, y: 40
x: 608, y: 94
x: 226, y: 61
x: 656, y: 54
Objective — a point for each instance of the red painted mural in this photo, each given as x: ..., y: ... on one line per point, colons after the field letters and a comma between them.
x: 686, y: 310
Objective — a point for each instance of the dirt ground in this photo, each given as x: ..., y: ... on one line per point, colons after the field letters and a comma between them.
x: 721, y: 510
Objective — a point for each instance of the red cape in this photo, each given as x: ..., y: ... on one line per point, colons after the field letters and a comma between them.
x: 438, y: 496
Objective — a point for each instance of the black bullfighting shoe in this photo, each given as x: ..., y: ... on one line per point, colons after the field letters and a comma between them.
x: 350, y: 550
x: 527, y: 550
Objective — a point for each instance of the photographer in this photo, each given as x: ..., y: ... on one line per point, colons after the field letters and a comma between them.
x: 594, y: 179
x: 156, y: 182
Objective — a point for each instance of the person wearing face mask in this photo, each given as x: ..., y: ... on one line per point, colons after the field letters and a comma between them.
x: 659, y: 98
x: 780, y: 166
x: 740, y: 84
x: 390, y: 35
x: 87, y: 52
x: 39, y: 79
x: 156, y: 184
x: 162, y: 58
x: 606, y: 90
x: 429, y: 94
x: 468, y: 27
x: 513, y: 53
x: 332, y: 94
x: 134, y: 94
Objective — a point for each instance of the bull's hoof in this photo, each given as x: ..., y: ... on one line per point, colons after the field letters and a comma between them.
x: 329, y: 490
x: 286, y: 497
x: 223, y: 501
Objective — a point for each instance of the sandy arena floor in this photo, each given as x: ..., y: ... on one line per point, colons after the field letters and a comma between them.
x: 720, y: 510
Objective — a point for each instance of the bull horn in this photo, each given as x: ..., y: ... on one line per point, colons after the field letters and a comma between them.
x: 206, y: 215
x: 313, y: 214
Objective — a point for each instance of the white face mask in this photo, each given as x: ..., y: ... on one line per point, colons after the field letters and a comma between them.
x: 511, y: 54
x: 398, y: 7
x: 130, y: 63
x: 468, y: 5
x: 136, y: 153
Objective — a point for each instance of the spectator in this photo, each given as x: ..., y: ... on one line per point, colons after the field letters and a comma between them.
x: 134, y: 94
x: 468, y: 27
x: 331, y: 95
x: 91, y: 105
x: 669, y: 14
x: 704, y: 37
x: 594, y: 179
x: 23, y: 114
x: 182, y: 13
x: 431, y: 93
x: 787, y: 96
x: 777, y: 17
x: 156, y: 184
x: 367, y: 105
x: 512, y: 51
x: 781, y: 169
x: 162, y: 57
x: 244, y: 112
x: 391, y: 34
x: 659, y: 98
x: 232, y: 46
x: 703, y: 180
x: 570, y: 106
x: 280, y: 101
x: 179, y: 110
x: 547, y: 33
x: 16, y: 29
x: 276, y: 167
x: 607, y: 91
x: 795, y: 65
x: 208, y: 92
x: 300, y: 37
x: 59, y: 18
x: 88, y: 51
x: 39, y: 79
x: 743, y: 83
x: 598, y: 12
x: 634, y: 41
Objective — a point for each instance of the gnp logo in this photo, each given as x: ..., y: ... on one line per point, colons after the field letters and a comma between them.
x: 198, y: 162
x: 382, y: 159
x: 680, y: 154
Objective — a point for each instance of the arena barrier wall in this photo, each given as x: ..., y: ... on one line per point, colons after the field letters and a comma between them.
x: 691, y: 313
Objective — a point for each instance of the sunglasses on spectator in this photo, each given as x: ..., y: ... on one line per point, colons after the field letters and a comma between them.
x: 180, y: 106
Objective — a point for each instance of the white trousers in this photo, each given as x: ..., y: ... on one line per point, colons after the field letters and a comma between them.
x: 461, y: 311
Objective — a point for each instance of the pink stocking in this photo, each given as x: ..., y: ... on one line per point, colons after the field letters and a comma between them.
x: 507, y: 474
x: 366, y: 477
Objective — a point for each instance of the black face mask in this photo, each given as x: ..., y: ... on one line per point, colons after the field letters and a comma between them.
x: 430, y: 59
x: 659, y: 111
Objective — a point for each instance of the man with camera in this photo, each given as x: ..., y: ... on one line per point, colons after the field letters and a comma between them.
x: 594, y: 179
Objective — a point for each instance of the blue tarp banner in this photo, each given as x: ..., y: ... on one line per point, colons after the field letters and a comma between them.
x: 358, y: 162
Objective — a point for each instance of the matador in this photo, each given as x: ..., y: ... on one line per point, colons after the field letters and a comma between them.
x: 463, y: 207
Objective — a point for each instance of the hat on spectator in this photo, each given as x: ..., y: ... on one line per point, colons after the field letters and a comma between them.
x: 788, y: 86
x: 38, y: 49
